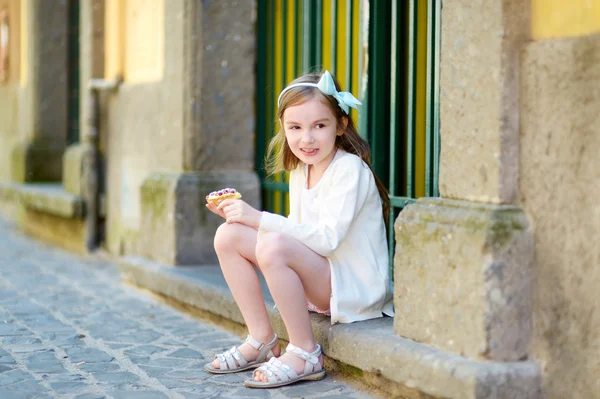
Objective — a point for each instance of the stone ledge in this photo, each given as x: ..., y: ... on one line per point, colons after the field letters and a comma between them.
x: 48, y: 198
x: 370, y: 345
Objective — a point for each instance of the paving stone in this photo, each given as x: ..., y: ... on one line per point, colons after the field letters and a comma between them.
x: 168, y: 362
x: 79, y: 335
x: 138, y: 395
x: 68, y: 387
x: 10, y: 329
x: 29, y: 386
x: 90, y: 396
x: 116, y: 378
x: 144, y: 350
x: 19, y: 340
x: 155, y: 371
x: 11, y: 377
x: 11, y: 394
x: 4, y: 368
x: 99, y: 367
x: 88, y: 355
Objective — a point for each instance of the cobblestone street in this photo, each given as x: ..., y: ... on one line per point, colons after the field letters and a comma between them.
x: 69, y: 328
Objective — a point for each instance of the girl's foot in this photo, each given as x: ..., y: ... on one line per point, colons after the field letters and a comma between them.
x: 250, y: 354
x: 279, y: 374
x: 292, y: 361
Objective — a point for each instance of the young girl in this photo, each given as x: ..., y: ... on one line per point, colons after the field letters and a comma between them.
x: 329, y: 255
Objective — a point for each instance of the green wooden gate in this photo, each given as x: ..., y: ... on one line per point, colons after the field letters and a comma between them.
x: 399, y: 87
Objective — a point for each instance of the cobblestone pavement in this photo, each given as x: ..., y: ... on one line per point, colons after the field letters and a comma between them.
x: 69, y: 328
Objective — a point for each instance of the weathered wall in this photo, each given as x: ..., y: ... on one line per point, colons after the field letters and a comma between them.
x: 559, y: 188
x: 479, y: 98
x: 144, y: 127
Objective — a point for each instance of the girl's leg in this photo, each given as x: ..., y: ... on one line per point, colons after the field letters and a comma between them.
x: 294, y: 273
x: 235, y: 245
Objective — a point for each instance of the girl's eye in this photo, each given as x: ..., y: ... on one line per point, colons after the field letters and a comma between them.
x: 294, y: 127
x: 320, y: 126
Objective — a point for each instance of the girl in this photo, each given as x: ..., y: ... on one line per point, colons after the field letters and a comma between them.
x: 329, y: 255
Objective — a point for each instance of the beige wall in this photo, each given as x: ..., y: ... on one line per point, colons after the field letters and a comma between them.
x: 10, y: 92
x: 560, y: 191
x: 145, y: 130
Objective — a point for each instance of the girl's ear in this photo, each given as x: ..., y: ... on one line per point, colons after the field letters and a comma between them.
x: 343, y: 127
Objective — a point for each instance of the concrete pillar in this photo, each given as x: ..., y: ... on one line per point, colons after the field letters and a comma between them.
x: 44, y: 118
x: 217, y: 147
x: 462, y: 265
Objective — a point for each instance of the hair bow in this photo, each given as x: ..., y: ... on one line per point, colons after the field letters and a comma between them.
x: 345, y: 99
x: 327, y: 86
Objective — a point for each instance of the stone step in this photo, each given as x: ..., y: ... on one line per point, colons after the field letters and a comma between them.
x: 370, y: 346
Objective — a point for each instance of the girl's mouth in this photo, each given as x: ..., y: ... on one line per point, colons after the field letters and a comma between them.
x: 309, y: 151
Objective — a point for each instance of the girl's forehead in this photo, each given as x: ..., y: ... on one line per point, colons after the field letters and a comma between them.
x: 314, y: 107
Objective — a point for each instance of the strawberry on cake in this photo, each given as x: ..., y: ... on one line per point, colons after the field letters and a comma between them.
x: 217, y: 196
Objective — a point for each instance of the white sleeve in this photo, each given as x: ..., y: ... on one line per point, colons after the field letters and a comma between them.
x: 340, y: 204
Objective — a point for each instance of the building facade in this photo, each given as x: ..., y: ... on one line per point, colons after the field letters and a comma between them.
x: 117, y: 117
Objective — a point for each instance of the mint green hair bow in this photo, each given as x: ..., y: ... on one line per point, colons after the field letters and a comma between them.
x: 327, y: 86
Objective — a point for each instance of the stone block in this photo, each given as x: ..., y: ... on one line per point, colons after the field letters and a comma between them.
x: 462, y: 278
x: 176, y: 227
x: 37, y: 162
x: 72, y: 172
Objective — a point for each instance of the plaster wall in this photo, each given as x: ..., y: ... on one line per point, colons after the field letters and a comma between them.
x: 559, y: 189
x: 144, y: 129
x: 479, y: 98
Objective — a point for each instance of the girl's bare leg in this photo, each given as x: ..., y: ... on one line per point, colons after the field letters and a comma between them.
x: 294, y: 273
x: 235, y: 245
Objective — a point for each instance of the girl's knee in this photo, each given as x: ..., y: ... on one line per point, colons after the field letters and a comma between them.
x: 271, y: 249
x: 226, y: 237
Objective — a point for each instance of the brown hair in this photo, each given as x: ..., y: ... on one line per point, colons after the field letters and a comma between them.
x: 281, y: 158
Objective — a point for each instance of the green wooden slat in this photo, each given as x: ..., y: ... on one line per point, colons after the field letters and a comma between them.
x: 318, y: 39
x: 297, y: 19
x: 261, y: 86
x: 411, y: 98
x: 401, y: 202
x: 363, y: 81
x: 272, y: 106
x: 428, y: 101
x: 284, y: 51
x: 379, y: 85
x: 334, y: 17
x: 349, y: 33
x: 275, y: 186
x: 393, y: 130
x: 436, y: 96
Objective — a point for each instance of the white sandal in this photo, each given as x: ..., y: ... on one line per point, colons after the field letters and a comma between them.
x: 232, y: 361
x: 280, y: 374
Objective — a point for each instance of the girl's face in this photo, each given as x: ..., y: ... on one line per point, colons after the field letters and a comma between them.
x: 311, y: 130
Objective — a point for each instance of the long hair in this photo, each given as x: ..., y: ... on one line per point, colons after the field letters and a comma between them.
x: 280, y: 157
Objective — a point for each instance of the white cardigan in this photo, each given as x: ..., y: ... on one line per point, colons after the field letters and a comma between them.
x: 350, y: 234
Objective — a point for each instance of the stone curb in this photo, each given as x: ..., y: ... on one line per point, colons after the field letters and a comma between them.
x: 49, y: 198
x: 370, y: 345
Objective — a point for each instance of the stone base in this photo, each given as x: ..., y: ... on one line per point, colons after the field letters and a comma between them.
x: 401, y: 367
x: 72, y: 167
x: 37, y: 162
x: 176, y: 227
x: 462, y: 278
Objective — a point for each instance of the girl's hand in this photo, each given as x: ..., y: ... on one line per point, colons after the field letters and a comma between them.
x: 237, y: 211
x: 213, y: 208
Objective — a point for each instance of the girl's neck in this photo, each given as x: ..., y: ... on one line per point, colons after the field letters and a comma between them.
x: 315, y: 173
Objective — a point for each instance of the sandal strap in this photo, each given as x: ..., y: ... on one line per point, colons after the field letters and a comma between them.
x: 276, y: 371
x: 227, y: 359
x: 312, y: 359
x: 253, y: 342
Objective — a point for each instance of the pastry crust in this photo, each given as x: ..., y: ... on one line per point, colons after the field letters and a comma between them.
x: 217, y: 196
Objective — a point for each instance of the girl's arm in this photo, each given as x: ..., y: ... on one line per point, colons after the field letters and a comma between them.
x: 341, y: 203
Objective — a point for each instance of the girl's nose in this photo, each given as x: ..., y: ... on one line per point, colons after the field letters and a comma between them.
x: 308, y: 137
